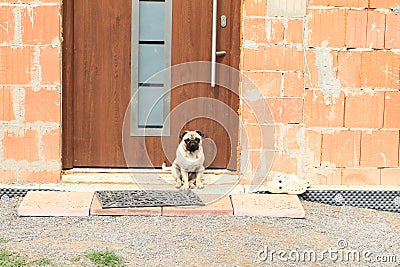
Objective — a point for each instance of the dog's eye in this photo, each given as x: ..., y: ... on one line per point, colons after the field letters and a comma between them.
x: 197, y: 140
x: 187, y: 141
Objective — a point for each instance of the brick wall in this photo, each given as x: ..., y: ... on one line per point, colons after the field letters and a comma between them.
x: 30, y: 91
x: 329, y: 70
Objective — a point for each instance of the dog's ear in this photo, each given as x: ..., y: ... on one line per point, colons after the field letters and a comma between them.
x: 183, y: 134
x: 200, y: 133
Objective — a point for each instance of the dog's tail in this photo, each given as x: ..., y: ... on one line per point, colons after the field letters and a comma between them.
x: 165, y: 168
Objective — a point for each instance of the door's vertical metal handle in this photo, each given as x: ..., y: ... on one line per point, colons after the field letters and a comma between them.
x: 213, y: 41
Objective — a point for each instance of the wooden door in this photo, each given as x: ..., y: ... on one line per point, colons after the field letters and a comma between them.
x: 97, y: 83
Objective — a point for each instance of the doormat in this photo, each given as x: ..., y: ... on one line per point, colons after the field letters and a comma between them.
x: 147, y: 198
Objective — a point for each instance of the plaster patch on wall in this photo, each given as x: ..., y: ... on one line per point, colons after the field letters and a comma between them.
x: 252, y: 95
x: 1, y: 146
x: 17, y: 26
x: 36, y: 70
x: 329, y: 85
x: 18, y: 96
x: 30, y: 14
x: 250, y: 45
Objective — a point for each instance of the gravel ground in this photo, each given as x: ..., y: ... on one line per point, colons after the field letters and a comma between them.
x: 337, y: 235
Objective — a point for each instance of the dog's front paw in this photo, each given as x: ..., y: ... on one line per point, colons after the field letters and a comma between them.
x: 200, y: 186
x: 185, y: 187
x: 178, y: 183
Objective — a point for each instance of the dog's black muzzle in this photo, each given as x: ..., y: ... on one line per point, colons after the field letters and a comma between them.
x: 192, y: 145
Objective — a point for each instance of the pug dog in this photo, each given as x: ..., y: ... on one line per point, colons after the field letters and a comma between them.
x: 187, y: 168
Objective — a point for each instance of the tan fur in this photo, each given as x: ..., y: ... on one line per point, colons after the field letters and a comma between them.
x: 187, y: 168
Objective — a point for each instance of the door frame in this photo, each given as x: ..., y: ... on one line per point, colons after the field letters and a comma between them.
x: 68, y: 81
x: 67, y: 106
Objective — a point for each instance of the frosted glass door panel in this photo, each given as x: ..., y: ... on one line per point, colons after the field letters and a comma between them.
x: 151, y: 61
x: 151, y: 21
x: 151, y: 105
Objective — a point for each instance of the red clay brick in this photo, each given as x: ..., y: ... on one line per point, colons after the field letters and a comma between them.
x: 326, y: 176
x: 390, y: 176
x: 43, y: 105
x: 318, y: 113
x: 392, y: 110
x: 380, y: 70
x: 287, y: 110
x: 339, y: 3
x: 260, y: 136
x: 254, y: 161
x: 6, y: 104
x: 7, y: 176
x: 293, y: 84
x: 318, y: 2
x: 294, y: 31
x: 284, y: 162
x: 254, y: 30
x: 289, y: 135
x: 349, y: 3
x: 255, y: 8
x: 364, y: 111
x: 21, y: 147
x: 327, y: 25
x: 248, y: 114
x: 41, y: 176
x: 284, y: 58
x: 15, y: 64
x: 380, y: 149
x: 312, y: 145
x: 383, y: 3
x: 268, y: 83
x: 274, y: 31
x: 361, y: 176
x: 256, y: 112
x: 50, y: 61
x: 341, y: 148
x: 356, y: 31
x: 6, y: 27
x: 258, y: 164
x: 253, y: 59
x: 41, y: 25
x: 349, y: 64
x: 51, y: 142
x: 392, y: 37
x: 376, y: 27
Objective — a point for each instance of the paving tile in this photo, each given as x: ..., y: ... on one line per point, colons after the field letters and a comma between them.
x: 272, y: 205
x: 96, y: 209
x: 216, y: 205
x: 55, y: 204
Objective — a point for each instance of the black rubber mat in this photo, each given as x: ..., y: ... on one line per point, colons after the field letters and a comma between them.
x: 147, y: 198
x: 18, y: 192
x: 385, y: 200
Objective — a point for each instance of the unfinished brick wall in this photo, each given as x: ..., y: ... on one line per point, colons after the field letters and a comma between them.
x: 329, y: 70
x: 30, y: 90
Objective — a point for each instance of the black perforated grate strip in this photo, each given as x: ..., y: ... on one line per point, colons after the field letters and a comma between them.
x: 147, y: 198
x: 384, y: 200
x: 18, y: 192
